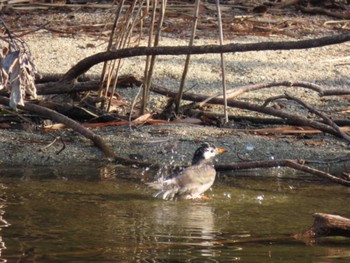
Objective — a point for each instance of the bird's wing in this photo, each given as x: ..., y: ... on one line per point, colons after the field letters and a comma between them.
x: 196, y: 179
x: 193, y: 180
x: 196, y: 174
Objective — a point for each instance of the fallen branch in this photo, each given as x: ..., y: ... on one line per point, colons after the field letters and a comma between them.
x: 234, y: 93
x: 99, y: 142
x: 282, y: 163
x: 85, y: 64
x: 285, y: 129
x: 50, y: 85
x: 327, y: 225
x: 325, y: 118
x: 66, y: 87
x: 290, y: 118
x: 58, y: 87
x: 294, y: 164
x: 324, y: 11
x: 260, y: 120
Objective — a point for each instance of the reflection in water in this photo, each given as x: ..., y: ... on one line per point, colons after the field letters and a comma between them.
x: 196, y: 220
x: 193, y: 224
x: 3, y: 223
x: 180, y: 230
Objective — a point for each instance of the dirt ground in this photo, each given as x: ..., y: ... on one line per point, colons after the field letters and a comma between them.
x: 174, y: 143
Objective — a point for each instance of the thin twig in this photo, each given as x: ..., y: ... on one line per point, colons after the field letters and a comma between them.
x: 234, y: 93
x: 63, y: 146
x: 50, y: 144
x: 271, y: 99
x: 325, y: 118
x: 45, y: 88
x: 133, y: 105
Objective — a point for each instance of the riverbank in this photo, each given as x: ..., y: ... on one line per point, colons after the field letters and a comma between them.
x: 325, y: 66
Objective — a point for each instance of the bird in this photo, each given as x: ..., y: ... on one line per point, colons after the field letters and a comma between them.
x: 194, y: 180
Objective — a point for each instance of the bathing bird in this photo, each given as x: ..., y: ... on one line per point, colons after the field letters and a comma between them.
x: 194, y: 180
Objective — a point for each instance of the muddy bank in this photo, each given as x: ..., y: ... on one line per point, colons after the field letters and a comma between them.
x: 165, y: 144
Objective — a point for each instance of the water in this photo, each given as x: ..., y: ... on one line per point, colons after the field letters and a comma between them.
x: 106, y: 214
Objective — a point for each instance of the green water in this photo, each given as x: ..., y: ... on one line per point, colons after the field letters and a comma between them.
x: 81, y: 214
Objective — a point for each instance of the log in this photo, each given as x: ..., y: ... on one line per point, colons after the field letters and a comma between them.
x: 327, y: 225
x: 88, y: 62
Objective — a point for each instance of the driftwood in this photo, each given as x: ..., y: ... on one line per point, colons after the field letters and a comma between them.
x: 327, y: 225
x: 324, y: 225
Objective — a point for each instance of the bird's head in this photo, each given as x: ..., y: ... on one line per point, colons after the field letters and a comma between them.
x: 206, y: 152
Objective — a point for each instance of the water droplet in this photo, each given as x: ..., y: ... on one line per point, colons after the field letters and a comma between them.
x: 260, y: 198
x: 228, y: 195
x: 249, y: 147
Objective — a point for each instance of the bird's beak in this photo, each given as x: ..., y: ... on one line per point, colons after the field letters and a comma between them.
x: 220, y: 150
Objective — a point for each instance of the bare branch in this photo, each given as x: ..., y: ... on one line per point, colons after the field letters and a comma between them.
x: 325, y: 118
x: 67, y: 121
x: 288, y: 117
x: 282, y: 163
x: 85, y: 64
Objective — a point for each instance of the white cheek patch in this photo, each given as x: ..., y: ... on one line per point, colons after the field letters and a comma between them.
x: 209, y: 153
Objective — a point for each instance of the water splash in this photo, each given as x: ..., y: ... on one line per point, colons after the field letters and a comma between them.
x: 260, y: 198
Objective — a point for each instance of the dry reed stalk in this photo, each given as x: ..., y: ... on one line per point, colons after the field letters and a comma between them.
x: 222, y: 60
x: 188, y: 57
x: 120, y: 38
x: 146, y: 88
x: 110, y: 42
x: 124, y: 41
x: 149, y: 72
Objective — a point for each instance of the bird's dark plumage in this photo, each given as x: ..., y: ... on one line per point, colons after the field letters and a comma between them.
x: 194, y: 180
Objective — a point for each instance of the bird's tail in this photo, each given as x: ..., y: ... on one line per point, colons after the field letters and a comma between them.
x: 166, y: 188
